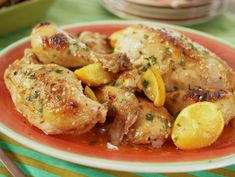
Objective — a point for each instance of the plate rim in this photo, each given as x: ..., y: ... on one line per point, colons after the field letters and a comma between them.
x: 128, y: 166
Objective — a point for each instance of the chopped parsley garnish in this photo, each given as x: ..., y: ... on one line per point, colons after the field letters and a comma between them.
x: 152, y: 60
x: 163, y: 60
x: 146, y: 36
x: 32, y: 76
x: 178, y: 125
x: 182, y: 63
x: 192, y: 46
x: 205, y: 52
x: 115, y: 84
x: 175, y: 138
x: 114, y: 109
x: 145, y: 84
x: 168, y: 51
x: 122, y: 100
x: 111, y: 50
x: 149, y: 116
x: 23, y: 73
x: 33, y: 96
x: 58, y: 70
x: 182, y: 37
x: 40, y: 107
x: 144, y: 68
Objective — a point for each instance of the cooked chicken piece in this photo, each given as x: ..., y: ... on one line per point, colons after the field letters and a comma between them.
x: 95, y: 41
x: 123, y: 106
x: 51, y: 97
x: 128, y: 80
x: 181, y: 62
x: 225, y: 100
x: 52, y: 45
x: 152, y: 127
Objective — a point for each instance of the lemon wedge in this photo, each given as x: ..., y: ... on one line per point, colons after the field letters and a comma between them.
x: 93, y: 75
x: 89, y: 93
x: 153, y: 86
x: 197, y: 126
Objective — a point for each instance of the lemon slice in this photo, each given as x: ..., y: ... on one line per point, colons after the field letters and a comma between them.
x: 197, y: 126
x: 153, y: 86
x: 93, y: 75
x: 89, y: 93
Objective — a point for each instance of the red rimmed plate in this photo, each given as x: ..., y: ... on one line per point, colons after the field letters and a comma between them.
x: 167, y: 159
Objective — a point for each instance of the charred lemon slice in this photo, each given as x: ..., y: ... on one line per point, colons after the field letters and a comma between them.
x: 153, y: 86
x: 89, y: 93
x: 93, y: 75
x: 197, y: 126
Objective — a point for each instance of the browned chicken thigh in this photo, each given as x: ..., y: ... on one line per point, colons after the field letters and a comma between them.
x: 181, y: 62
x: 152, y: 127
x: 51, y: 97
x: 123, y: 107
x: 53, y: 45
x: 225, y: 100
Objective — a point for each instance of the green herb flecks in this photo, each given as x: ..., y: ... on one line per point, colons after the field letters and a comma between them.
x: 115, y: 83
x: 182, y: 63
x: 175, y: 138
x: 192, y: 46
x: 111, y: 50
x: 114, y: 109
x: 146, y: 36
x: 206, y: 52
x: 152, y: 60
x: 149, y: 116
x: 178, y: 124
x: 58, y: 70
x: 32, y: 76
x: 145, y: 84
x: 168, y: 51
x: 40, y: 106
x: 145, y: 68
x: 33, y: 96
x: 23, y: 73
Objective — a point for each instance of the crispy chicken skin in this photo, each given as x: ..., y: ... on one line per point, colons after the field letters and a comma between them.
x: 152, y: 127
x: 95, y: 41
x: 181, y: 62
x: 225, y: 100
x: 123, y: 106
x: 51, y: 97
x: 52, y: 45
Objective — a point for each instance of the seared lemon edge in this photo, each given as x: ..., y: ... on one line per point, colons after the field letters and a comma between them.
x: 198, y: 125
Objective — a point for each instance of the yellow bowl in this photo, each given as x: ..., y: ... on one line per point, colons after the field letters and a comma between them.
x: 22, y: 15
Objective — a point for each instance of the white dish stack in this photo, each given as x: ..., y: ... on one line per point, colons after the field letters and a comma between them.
x: 183, y: 12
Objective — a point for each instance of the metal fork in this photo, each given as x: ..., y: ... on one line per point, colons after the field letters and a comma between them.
x: 11, y: 167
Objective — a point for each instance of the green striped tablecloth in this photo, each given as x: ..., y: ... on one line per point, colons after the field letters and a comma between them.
x: 62, y: 12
